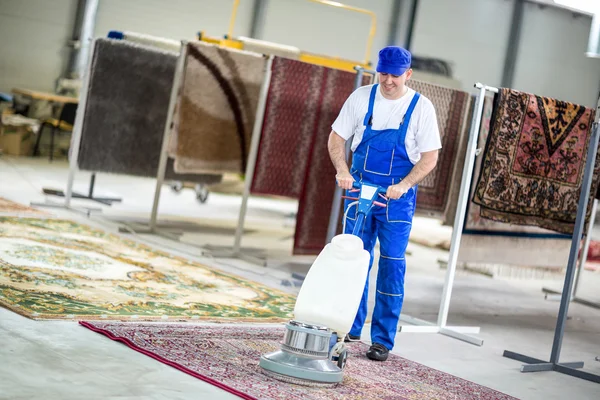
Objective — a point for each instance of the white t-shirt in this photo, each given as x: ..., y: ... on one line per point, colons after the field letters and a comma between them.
x: 423, y: 133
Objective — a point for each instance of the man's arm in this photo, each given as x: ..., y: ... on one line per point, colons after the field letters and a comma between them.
x: 421, y: 169
x: 337, y: 152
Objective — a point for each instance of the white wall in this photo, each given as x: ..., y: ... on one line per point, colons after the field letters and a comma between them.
x: 326, y: 30
x: 551, y: 59
x: 33, y: 38
x: 173, y: 19
x: 470, y: 34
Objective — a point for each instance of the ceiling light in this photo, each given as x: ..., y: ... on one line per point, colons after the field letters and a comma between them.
x: 587, y: 6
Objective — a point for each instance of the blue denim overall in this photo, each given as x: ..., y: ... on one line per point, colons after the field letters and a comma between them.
x: 381, y: 159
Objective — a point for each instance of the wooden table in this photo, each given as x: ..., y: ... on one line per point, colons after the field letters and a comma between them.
x: 54, y: 98
x: 44, y: 105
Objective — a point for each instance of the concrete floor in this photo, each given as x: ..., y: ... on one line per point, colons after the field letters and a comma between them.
x: 61, y: 360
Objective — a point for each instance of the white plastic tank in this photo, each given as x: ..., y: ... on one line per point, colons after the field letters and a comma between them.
x: 332, y: 290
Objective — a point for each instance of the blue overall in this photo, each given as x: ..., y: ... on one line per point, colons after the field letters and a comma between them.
x: 381, y: 159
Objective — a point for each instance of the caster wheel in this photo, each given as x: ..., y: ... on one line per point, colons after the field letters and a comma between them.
x: 201, y: 193
x: 341, y: 362
x: 177, y: 187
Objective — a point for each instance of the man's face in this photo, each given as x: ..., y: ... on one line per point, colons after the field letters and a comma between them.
x: 392, y: 86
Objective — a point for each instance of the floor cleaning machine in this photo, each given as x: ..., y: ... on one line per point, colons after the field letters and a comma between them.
x: 313, y: 352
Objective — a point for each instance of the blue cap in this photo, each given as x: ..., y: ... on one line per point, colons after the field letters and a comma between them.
x: 394, y: 60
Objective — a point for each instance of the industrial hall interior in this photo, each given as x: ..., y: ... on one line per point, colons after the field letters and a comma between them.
x: 299, y: 199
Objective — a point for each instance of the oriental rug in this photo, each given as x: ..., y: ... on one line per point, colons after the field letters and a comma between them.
x: 593, y: 251
x: 293, y: 107
x: 452, y: 109
x: 474, y: 223
x: 56, y: 269
x: 316, y: 198
x: 216, y: 109
x: 534, y: 161
x: 126, y: 111
x: 228, y: 357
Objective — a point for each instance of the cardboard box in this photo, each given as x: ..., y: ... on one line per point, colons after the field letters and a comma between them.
x: 16, y: 140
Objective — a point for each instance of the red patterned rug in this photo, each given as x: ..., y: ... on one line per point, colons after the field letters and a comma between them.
x: 317, y: 194
x: 228, y: 358
x: 291, y: 114
x: 593, y: 251
x: 534, y: 161
x: 452, y: 107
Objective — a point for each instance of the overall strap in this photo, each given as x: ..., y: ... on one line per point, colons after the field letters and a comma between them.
x: 369, y: 114
x: 411, y: 108
x: 406, y: 119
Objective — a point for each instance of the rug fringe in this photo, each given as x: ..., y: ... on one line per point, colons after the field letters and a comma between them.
x: 121, y: 318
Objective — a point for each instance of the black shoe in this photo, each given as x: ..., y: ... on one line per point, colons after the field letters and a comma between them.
x: 351, y: 338
x: 378, y: 352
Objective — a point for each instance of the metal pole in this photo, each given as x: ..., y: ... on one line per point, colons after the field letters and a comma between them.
x: 514, y: 39
x: 579, y: 222
x: 461, y: 207
x: 395, y: 18
x: 251, y: 164
x: 586, y: 247
x: 92, y: 184
x: 78, y: 126
x: 162, y: 165
x: 593, y: 48
x: 337, y: 196
x: 86, y: 35
x: 259, y: 14
x: 411, y: 24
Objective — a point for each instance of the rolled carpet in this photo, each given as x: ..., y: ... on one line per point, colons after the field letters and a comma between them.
x: 149, y: 40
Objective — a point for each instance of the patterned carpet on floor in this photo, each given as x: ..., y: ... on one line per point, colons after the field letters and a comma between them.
x: 228, y: 357
x: 57, y: 269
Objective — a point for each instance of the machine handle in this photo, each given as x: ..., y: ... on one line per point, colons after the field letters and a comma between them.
x: 377, y: 203
x: 380, y: 189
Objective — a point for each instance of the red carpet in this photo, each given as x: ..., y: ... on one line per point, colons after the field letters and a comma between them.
x: 228, y: 358
x: 292, y: 110
x: 316, y: 199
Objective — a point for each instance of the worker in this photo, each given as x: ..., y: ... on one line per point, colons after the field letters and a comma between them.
x: 395, y: 145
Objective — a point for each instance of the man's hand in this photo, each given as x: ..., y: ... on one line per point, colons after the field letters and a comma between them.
x: 421, y: 169
x: 396, y: 191
x: 344, y: 180
x: 337, y: 152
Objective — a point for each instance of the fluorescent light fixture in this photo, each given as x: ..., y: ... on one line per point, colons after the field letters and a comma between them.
x: 588, y: 6
x: 593, y: 50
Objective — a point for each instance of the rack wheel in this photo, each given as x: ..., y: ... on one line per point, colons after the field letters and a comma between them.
x: 341, y: 363
x: 176, y: 186
x: 201, y: 193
